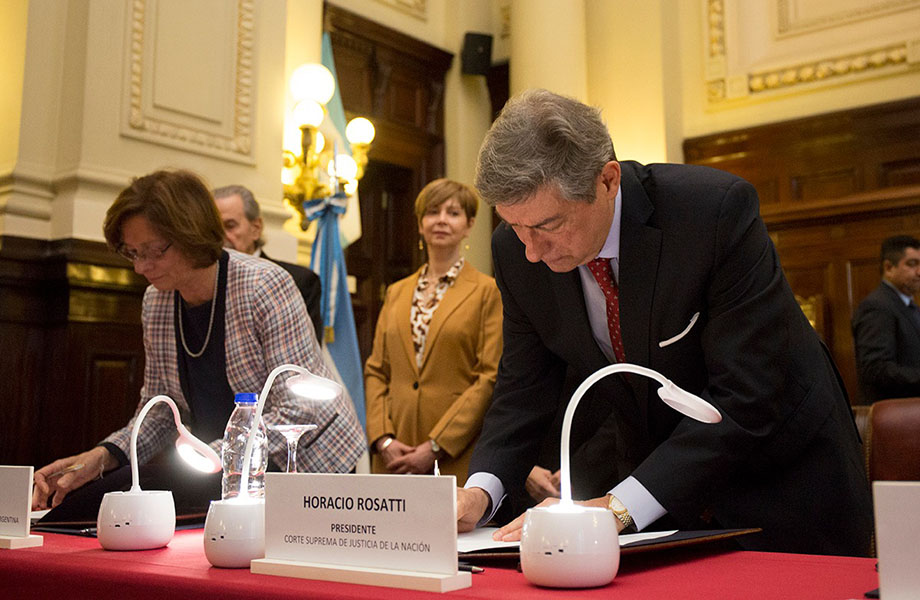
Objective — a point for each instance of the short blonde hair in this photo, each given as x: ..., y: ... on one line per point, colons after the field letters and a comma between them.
x: 440, y: 191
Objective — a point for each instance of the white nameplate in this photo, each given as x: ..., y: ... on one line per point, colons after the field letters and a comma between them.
x: 15, y: 504
x: 397, y: 522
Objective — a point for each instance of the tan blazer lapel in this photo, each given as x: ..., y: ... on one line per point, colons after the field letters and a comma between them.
x: 452, y: 300
x: 403, y: 303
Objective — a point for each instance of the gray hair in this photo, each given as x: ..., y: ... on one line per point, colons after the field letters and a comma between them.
x: 543, y: 139
x: 250, y: 206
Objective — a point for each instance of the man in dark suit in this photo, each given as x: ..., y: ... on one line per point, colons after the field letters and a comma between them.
x: 702, y: 299
x: 886, y: 325
x: 242, y: 220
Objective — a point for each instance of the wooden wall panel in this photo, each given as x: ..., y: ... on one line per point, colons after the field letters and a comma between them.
x: 72, y: 356
x: 831, y: 188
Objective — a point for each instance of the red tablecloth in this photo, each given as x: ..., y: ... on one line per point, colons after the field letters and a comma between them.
x: 68, y: 567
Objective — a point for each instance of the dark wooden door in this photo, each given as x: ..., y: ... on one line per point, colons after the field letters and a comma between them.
x: 388, y: 248
x: 398, y: 83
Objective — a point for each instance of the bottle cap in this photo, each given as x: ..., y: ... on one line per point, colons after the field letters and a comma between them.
x: 246, y: 398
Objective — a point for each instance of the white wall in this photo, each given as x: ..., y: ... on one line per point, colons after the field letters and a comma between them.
x: 66, y: 150
x: 109, y: 94
x: 13, y: 19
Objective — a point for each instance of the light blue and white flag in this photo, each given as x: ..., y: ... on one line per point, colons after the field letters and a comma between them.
x: 328, y: 261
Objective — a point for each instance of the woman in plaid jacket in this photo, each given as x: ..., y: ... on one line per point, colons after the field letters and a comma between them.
x: 216, y: 322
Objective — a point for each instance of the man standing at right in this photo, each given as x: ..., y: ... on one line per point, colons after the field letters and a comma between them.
x: 886, y: 325
x: 669, y: 267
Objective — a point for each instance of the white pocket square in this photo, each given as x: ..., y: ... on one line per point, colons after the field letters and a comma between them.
x: 677, y: 337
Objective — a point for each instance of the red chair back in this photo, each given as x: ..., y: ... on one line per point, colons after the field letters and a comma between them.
x: 893, y: 440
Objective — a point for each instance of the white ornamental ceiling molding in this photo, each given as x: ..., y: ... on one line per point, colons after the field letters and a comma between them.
x: 414, y: 8
x: 222, y: 129
x: 827, y: 37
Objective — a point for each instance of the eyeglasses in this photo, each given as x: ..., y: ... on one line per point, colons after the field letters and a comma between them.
x: 150, y: 254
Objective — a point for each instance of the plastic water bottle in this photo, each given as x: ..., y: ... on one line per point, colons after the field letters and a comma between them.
x: 234, y: 446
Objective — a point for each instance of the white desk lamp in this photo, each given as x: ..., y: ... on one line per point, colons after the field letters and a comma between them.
x: 234, y: 530
x: 143, y: 519
x: 574, y: 546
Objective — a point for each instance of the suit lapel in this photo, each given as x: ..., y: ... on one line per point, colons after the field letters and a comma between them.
x: 403, y: 306
x: 640, y: 250
x: 909, y: 312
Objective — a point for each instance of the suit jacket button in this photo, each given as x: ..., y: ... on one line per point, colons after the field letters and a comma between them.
x: 414, y: 385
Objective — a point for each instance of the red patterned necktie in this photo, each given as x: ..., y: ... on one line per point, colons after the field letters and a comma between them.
x: 603, y: 273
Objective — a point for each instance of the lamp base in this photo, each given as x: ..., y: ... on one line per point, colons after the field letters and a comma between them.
x: 234, y: 532
x: 571, y: 546
x: 136, y: 520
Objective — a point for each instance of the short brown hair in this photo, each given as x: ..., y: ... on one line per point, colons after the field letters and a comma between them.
x: 440, y: 191
x: 179, y: 206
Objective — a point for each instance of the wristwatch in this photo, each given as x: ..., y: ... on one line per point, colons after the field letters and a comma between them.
x: 619, y: 511
x: 386, y: 443
x: 435, y: 448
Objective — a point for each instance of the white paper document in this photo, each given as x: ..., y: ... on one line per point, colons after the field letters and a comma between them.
x: 480, y: 539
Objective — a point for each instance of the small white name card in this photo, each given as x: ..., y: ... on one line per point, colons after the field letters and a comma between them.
x: 398, y: 522
x: 15, y: 504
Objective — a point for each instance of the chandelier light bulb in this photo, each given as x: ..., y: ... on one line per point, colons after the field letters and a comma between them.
x: 319, y: 142
x: 307, y: 113
x: 312, y: 81
x: 360, y: 131
x: 344, y: 167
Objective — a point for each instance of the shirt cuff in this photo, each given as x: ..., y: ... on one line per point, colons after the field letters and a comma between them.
x: 642, y: 506
x: 493, y: 487
x: 117, y: 452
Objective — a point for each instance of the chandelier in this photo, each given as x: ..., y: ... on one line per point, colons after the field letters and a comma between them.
x: 313, y: 167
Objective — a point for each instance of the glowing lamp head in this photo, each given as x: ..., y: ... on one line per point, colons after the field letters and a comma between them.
x: 308, y: 385
x: 198, y: 455
x: 360, y: 131
x: 313, y: 81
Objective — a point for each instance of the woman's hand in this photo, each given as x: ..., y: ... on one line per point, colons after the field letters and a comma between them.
x: 419, y: 460
x: 50, y: 489
x: 391, y: 451
x: 541, y: 484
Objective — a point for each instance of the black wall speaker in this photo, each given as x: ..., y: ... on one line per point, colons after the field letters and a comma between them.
x: 476, y: 56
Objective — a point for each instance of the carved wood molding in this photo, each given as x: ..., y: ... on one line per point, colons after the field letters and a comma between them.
x: 237, y: 145
x: 857, y: 207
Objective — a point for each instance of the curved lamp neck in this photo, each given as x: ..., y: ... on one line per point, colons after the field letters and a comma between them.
x: 247, y: 455
x: 675, y: 397
x: 135, y: 479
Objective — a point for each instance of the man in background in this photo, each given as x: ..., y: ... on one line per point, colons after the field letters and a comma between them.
x: 886, y: 325
x: 242, y: 221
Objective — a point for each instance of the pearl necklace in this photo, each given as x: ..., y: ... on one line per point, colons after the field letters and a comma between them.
x: 207, y: 337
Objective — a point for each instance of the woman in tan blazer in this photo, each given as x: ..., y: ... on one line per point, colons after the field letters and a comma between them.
x: 430, y: 376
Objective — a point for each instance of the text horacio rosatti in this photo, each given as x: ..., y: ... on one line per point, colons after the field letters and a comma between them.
x: 355, y: 504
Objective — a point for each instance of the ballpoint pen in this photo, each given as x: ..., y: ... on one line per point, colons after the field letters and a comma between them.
x: 462, y: 566
x: 64, y: 471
